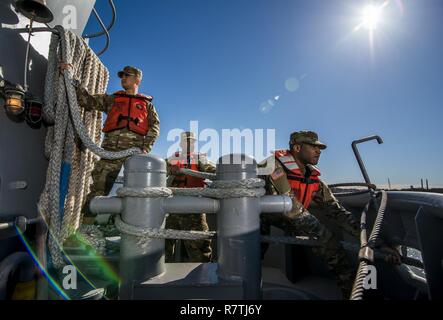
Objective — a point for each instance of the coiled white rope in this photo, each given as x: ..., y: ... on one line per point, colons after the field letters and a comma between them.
x: 61, y: 109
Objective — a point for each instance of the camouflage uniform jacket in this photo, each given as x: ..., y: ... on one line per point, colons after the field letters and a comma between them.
x: 324, y: 200
x: 122, y: 138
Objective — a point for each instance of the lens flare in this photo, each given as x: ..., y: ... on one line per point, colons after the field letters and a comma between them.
x: 97, y: 259
x: 292, y: 84
x: 44, y: 272
x: 371, y: 17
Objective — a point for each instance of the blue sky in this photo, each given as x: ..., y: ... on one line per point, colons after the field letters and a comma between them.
x: 221, y: 61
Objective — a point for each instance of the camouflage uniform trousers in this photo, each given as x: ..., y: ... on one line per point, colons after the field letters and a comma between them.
x: 330, y: 250
x: 196, y: 250
x: 105, y: 172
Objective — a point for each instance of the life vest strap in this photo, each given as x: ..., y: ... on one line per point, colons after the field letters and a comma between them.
x: 303, y: 180
x: 122, y: 117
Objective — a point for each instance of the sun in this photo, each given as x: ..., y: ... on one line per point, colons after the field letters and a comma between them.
x: 371, y: 17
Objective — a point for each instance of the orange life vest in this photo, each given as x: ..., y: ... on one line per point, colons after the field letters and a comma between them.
x: 185, y: 181
x: 130, y: 112
x: 303, y: 186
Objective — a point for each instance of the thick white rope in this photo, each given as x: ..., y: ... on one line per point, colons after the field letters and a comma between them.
x: 219, y: 193
x: 148, y: 192
x: 144, y: 234
x: 219, y: 190
x: 61, y: 108
x: 226, y: 189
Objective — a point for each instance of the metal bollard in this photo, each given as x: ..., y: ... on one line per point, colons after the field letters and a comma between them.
x: 140, y: 263
x: 238, y: 224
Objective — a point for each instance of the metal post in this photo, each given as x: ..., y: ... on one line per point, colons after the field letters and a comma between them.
x: 112, y: 205
x: 139, y: 263
x: 238, y: 225
x: 186, y: 205
x: 357, y: 154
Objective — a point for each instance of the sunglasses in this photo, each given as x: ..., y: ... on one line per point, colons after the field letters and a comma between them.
x: 122, y: 74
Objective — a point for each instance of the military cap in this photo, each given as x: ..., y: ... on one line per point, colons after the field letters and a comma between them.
x: 309, y: 137
x: 188, y: 135
x: 133, y: 71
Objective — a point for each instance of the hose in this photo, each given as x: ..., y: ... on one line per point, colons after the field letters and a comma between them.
x: 366, y: 254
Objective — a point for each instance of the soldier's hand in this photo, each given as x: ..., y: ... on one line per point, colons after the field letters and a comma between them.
x: 175, y: 170
x: 297, y: 210
x: 64, y: 66
x: 392, y: 255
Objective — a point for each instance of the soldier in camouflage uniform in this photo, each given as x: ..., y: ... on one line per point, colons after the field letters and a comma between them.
x: 196, y: 250
x: 295, y: 175
x: 127, y: 131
